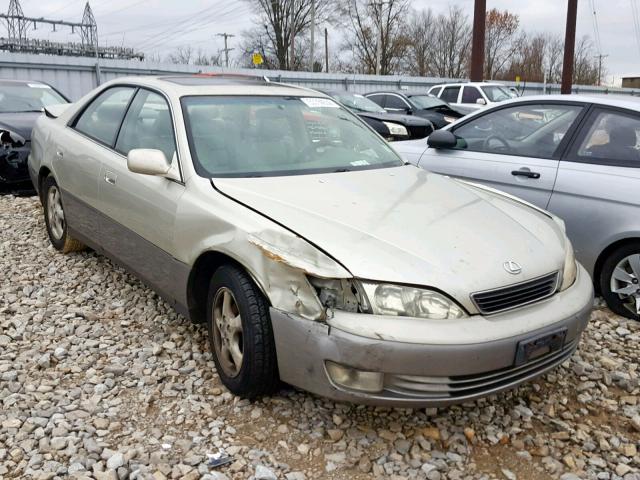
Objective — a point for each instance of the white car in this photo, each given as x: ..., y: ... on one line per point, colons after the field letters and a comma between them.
x: 472, y: 95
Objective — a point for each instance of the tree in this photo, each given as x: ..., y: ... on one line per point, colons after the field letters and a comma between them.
x: 182, y: 55
x: 372, y: 24
x: 419, y: 52
x: 272, y: 35
x: 452, y: 44
x: 501, y: 42
x: 585, y: 66
x: 528, y: 59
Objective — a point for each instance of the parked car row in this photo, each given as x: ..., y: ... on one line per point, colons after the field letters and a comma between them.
x: 318, y: 256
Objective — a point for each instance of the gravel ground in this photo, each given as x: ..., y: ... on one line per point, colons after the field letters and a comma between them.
x: 101, y: 379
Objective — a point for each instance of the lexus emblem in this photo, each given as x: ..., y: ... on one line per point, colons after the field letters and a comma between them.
x: 513, y: 268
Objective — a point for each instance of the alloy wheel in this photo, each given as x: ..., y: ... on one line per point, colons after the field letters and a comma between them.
x: 625, y: 282
x: 55, y: 213
x: 227, y: 332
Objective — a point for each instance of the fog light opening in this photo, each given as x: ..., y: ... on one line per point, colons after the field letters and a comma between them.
x: 347, y: 377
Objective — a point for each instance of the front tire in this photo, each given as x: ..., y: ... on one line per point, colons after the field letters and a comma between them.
x: 55, y: 220
x: 620, y: 281
x: 240, y: 334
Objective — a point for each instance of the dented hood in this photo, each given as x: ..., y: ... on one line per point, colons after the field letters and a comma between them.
x: 406, y: 225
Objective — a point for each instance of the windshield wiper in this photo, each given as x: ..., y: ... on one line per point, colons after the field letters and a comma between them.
x: 342, y: 170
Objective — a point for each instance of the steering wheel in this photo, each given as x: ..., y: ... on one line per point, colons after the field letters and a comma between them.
x: 505, y: 147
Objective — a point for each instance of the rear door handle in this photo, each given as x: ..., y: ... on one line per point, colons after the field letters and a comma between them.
x: 110, y: 178
x: 525, y: 173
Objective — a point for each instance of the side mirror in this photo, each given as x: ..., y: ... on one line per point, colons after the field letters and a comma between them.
x: 442, y: 139
x: 481, y: 101
x: 148, y: 161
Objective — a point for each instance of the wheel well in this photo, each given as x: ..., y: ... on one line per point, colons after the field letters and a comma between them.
x: 42, y: 174
x: 597, y: 269
x: 199, y: 279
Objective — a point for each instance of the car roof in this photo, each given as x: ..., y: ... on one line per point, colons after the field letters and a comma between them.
x: 477, y: 84
x: 621, y: 101
x: 11, y: 81
x: 386, y: 92
x: 217, y: 84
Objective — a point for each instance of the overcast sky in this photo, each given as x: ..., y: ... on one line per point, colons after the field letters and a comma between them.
x: 159, y: 26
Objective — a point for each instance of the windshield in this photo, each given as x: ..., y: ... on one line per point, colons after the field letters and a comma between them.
x: 427, y: 102
x: 27, y: 97
x: 270, y: 136
x: 358, y: 102
x: 496, y: 93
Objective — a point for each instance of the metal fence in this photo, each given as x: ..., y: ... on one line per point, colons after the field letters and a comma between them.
x: 75, y: 76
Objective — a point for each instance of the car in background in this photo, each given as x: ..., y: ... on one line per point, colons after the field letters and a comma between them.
x: 472, y: 95
x: 576, y: 156
x: 312, y: 251
x: 21, y: 103
x: 439, y: 113
x: 392, y: 127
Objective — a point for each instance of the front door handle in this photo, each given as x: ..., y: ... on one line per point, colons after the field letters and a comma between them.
x: 525, y: 173
x: 110, y: 178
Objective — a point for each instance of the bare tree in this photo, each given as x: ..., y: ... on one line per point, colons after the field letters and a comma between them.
x: 452, y: 44
x: 272, y: 34
x: 585, y: 67
x: 205, y: 59
x: 528, y: 59
x: 501, y: 42
x: 376, y: 24
x: 419, y: 52
x: 182, y: 55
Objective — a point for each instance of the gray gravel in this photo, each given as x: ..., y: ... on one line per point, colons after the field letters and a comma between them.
x: 100, y: 379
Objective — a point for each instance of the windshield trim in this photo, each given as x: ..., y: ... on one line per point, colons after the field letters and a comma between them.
x: 202, y: 172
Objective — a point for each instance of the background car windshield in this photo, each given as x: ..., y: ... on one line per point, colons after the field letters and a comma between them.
x: 495, y: 93
x: 31, y: 97
x: 359, y: 103
x: 426, y: 101
x: 270, y: 136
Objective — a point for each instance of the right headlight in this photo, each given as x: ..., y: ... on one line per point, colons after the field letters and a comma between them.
x: 396, y: 129
x: 570, y: 270
x: 404, y: 301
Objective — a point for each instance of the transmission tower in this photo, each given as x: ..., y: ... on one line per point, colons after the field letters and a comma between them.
x: 89, y: 28
x: 16, y: 23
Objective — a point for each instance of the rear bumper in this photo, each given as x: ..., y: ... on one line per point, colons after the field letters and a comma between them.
x: 420, y: 375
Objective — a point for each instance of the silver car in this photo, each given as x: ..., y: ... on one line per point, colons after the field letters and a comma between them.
x: 313, y: 253
x: 576, y: 156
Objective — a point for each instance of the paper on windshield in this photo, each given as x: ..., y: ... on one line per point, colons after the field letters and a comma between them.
x: 313, y: 102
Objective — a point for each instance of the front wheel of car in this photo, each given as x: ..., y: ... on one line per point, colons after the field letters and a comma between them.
x: 55, y: 219
x: 240, y: 334
x: 620, y: 281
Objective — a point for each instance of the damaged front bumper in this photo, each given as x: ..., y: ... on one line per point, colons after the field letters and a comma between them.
x: 13, y: 165
x: 438, y: 373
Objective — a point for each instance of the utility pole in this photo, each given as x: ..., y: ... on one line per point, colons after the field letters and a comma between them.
x: 600, y: 58
x: 569, y: 47
x: 293, y: 36
x: 226, y: 46
x: 313, y: 32
x: 326, y: 51
x: 477, y: 49
x: 378, y: 6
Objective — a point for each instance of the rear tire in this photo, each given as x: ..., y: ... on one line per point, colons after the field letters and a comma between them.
x: 620, y: 280
x: 54, y: 218
x: 240, y: 334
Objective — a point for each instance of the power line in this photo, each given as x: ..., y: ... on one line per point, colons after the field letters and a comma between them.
x: 596, y: 29
x: 636, y: 22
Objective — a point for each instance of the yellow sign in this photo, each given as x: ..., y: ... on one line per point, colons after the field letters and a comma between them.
x: 518, y: 79
x: 257, y: 59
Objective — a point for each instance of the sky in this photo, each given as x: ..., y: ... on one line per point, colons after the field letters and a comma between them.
x: 160, y: 26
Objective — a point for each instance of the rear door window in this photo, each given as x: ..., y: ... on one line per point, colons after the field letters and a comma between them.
x: 450, y: 94
x: 102, y: 118
x: 612, y: 138
x: 379, y: 99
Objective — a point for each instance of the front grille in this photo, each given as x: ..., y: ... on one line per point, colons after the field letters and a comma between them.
x: 517, y: 295
x: 444, y: 388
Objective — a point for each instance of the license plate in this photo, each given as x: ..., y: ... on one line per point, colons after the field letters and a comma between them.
x: 536, y: 347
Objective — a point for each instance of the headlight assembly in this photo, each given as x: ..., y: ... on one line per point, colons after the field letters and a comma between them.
x: 385, y: 299
x: 570, y: 266
x: 396, y: 129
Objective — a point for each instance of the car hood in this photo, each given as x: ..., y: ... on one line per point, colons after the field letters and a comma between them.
x: 21, y: 123
x: 406, y: 225
x: 408, y: 120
